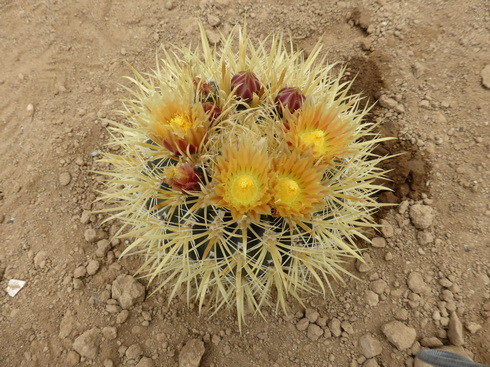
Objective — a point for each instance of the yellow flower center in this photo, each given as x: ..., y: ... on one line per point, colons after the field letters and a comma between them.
x: 244, y: 189
x: 287, y: 191
x: 180, y: 121
x: 315, y: 138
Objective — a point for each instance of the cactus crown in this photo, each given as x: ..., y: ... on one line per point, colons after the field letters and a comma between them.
x: 242, y: 175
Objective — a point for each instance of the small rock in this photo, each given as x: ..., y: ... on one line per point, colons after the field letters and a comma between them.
x: 387, y: 102
x: 122, y: 316
x: 378, y: 286
x: 370, y: 363
x: 302, y: 324
x: 347, y: 327
x: 314, y: 332
x: 369, y: 346
x: 372, y: 299
x: 386, y: 229
x: 334, y: 326
x: 64, y: 178
x: 134, y: 352
x: 311, y: 315
x: 485, y: 76
x: 213, y: 36
x: 399, y: 334
x: 416, y: 283
x: 366, y: 265
x: 431, y: 342
x: 103, y: 247
x: 109, y: 332
x: 421, y: 216
x: 366, y: 44
x: 191, y: 353
x: 213, y: 20
x: 85, y: 217
x: 424, y: 238
x: 473, y: 327
x: 455, y: 330
x: 72, y: 358
x: 93, y: 235
x: 145, y: 362
x: 170, y: 4
x: 92, y: 267
x: 80, y: 272
x: 66, y: 325
x: 127, y: 290
x: 378, y: 242
x: 40, y: 259
x: 87, y: 344
x: 389, y: 256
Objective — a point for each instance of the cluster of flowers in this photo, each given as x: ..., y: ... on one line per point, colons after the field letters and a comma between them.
x: 243, y: 173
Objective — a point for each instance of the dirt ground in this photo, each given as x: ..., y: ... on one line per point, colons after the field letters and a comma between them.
x: 427, y: 280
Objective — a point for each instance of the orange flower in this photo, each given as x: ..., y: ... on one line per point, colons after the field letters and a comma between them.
x: 242, y: 180
x: 321, y: 131
x: 298, y: 191
x: 179, y: 126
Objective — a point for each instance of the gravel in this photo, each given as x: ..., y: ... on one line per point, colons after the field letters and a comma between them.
x: 87, y: 344
x: 128, y: 291
x: 421, y: 216
x: 191, y: 353
x: 369, y: 346
x: 455, y: 330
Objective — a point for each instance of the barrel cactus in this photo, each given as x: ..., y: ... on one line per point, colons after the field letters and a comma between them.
x: 243, y: 177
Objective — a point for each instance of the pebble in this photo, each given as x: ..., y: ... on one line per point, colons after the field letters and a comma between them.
x: 378, y: 242
x: 87, y: 344
x: 485, y: 76
x: 314, y: 332
x: 366, y: 44
x: 416, y: 283
x: 103, y: 247
x: 191, y: 353
x: 311, y: 315
x: 213, y: 20
x: 421, y: 216
x: 109, y: 332
x: 128, y: 291
x: 122, y: 316
x: 424, y: 238
x: 302, y: 324
x: 134, y: 352
x: 473, y: 327
x: 40, y: 259
x: 64, y: 178
x: 347, y: 327
x: 213, y: 36
x: 387, y: 229
x: 372, y: 299
x: 170, y: 4
x: 455, y: 330
x: 431, y: 342
x: 370, y: 363
x: 93, y: 235
x: 85, y: 217
x: 399, y: 334
x: 334, y: 326
x: 366, y: 265
x: 93, y: 267
x: 79, y: 272
x: 369, y: 346
x: 72, y: 358
x: 378, y: 286
x: 145, y: 362
x: 389, y: 256
x: 387, y: 102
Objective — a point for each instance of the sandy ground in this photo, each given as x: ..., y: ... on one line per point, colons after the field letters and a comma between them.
x: 427, y: 284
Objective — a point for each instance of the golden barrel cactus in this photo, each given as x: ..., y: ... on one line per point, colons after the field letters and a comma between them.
x: 245, y: 173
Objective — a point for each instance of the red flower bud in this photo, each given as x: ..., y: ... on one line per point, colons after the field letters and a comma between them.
x: 246, y: 84
x: 211, y: 110
x: 183, y: 177
x: 204, y: 90
x: 290, y: 98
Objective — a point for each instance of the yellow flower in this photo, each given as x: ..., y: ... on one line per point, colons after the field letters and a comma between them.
x: 242, y: 180
x: 322, y: 131
x: 298, y: 191
x: 179, y: 125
